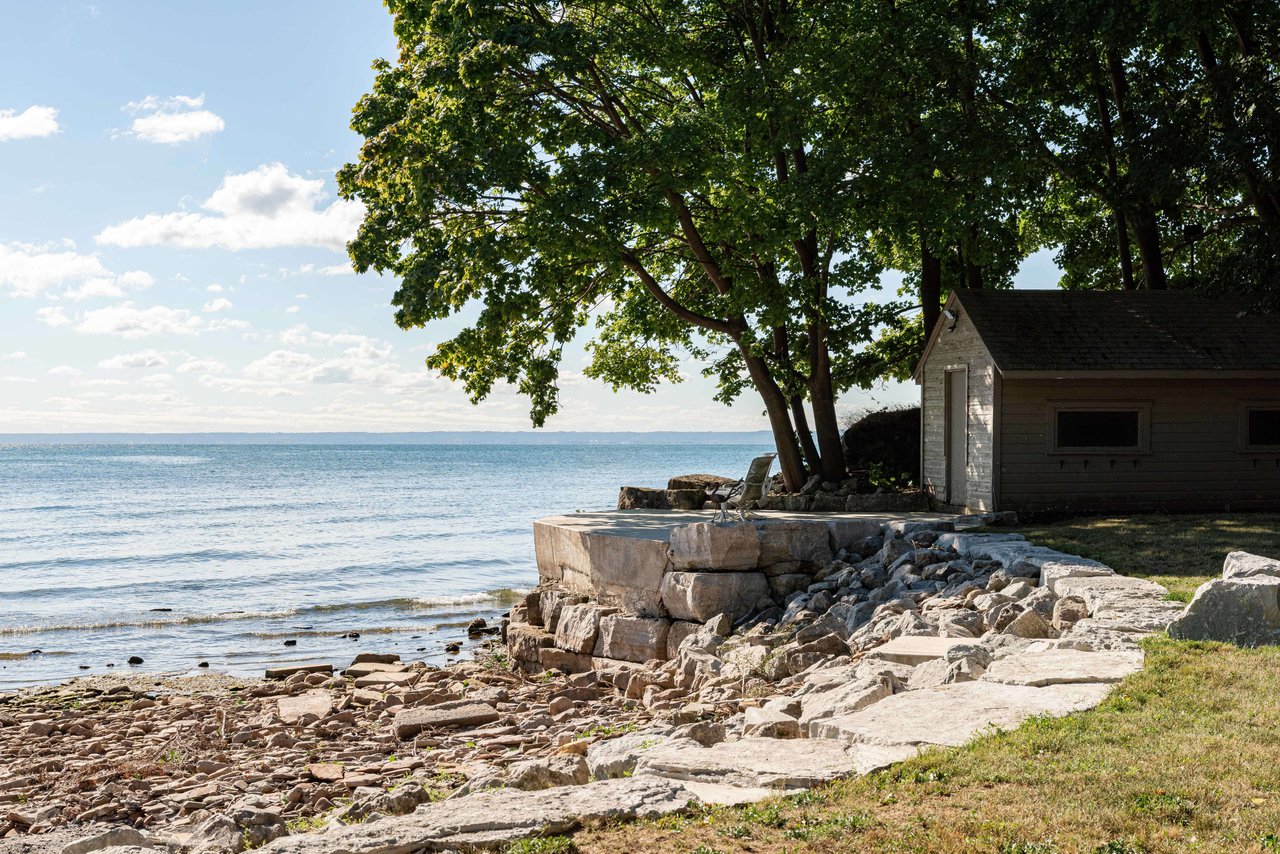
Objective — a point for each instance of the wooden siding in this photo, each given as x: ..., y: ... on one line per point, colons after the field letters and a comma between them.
x: 1194, y: 460
x: 959, y: 348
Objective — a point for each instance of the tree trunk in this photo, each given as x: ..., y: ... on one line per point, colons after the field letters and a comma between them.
x: 930, y: 289
x: 1146, y: 229
x: 811, y: 456
x: 823, y: 398
x: 1147, y: 234
x: 1117, y: 212
x: 775, y: 404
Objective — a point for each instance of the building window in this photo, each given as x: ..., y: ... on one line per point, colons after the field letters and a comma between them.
x: 1262, y: 427
x: 1092, y: 429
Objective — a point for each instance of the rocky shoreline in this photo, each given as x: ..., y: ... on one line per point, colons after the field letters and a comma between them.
x: 915, y: 636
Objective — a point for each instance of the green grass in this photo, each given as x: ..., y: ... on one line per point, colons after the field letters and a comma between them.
x: 1180, y: 757
x: 1180, y: 552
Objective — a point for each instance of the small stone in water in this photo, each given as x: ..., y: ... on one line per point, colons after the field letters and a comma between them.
x: 476, y: 626
x: 203, y: 664
x: 291, y: 643
x: 452, y: 647
x: 162, y: 610
x: 135, y: 659
x: 84, y: 667
x: 111, y: 665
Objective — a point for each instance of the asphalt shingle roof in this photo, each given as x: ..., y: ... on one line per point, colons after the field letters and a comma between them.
x: 1061, y: 330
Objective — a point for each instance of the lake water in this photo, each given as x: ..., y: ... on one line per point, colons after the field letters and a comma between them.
x: 182, y: 554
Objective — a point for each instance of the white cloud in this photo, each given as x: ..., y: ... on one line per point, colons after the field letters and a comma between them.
x: 321, y: 270
x: 157, y: 379
x: 141, y: 359
x: 135, y: 280
x: 29, y: 270
x: 207, y: 366
x: 17, y: 379
x: 52, y: 315
x: 219, y: 304
x: 293, y: 309
x: 214, y: 289
x: 31, y: 123
x: 128, y: 321
x: 170, y: 121
x: 64, y: 371
x: 265, y: 208
x: 15, y: 356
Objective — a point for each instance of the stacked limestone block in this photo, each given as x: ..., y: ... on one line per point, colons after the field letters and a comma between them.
x: 641, y: 598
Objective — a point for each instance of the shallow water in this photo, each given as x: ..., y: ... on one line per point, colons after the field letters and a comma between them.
x: 183, y: 554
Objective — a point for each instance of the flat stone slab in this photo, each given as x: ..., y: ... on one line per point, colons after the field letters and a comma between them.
x: 284, y: 671
x: 364, y: 668
x: 458, y: 713
x: 951, y: 715
x: 1109, y: 589
x: 914, y: 649
x: 491, y: 818
x: 317, y: 703
x: 766, y: 764
x: 387, y: 677
x: 1063, y: 667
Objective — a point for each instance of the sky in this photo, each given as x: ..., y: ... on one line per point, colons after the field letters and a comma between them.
x: 172, y: 245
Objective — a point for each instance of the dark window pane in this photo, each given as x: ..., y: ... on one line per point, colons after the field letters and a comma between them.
x: 1264, y: 426
x: 1103, y: 429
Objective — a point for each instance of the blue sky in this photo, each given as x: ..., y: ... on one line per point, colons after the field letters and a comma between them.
x: 171, y: 240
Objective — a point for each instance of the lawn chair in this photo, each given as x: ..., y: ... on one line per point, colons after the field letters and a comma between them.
x: 744, y: 494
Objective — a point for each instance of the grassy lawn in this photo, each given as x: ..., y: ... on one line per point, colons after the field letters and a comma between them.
x: 1184, y: 756
x: 1180, y: 552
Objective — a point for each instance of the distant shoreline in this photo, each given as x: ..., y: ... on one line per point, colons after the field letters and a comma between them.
x: 454, y: 437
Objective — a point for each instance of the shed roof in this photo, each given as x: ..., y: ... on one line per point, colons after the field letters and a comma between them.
x: 1059, y: 330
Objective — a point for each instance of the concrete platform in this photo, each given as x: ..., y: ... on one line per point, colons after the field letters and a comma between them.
x: 618, y: 557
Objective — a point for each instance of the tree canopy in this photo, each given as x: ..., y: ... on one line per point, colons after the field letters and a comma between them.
x: 733, y: 180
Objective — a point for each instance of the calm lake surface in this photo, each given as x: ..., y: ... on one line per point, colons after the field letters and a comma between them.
x: 184, y: 554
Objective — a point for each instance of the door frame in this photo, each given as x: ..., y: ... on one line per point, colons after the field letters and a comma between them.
x: 949, y: 427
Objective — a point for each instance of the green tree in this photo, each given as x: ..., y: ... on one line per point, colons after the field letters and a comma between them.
x: 682, y: 176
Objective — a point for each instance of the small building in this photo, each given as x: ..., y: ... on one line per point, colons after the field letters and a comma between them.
x: 1100, y: 401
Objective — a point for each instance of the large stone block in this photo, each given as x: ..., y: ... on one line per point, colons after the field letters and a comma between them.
x: 843, y: 533
x: 794, y: 541
x: 525, y: 643
x: 679, y: 630
x: 642, y: 498
x: 1052, y: 572
x: 709, y: 546
x: 1244, y: 611
x: 490, y: 819
x: 950, y: 715
x: 609, y: 568
x: 1245, y: 565
x: 1063, y: 667
x: 635, y: 639
x: 1097, y: 591
x: 578, y: 626
x: 699, y: 596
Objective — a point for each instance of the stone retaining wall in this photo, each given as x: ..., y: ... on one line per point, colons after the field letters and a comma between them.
x: 604, y: 596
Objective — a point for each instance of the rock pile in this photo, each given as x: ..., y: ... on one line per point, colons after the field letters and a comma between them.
x: 210, y: 764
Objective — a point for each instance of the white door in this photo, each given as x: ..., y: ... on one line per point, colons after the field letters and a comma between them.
x: 957, y: 404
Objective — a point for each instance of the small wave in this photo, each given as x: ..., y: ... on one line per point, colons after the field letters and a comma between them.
x: 503, y: 596
x: 148, y: 623
x: 500, y: 596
